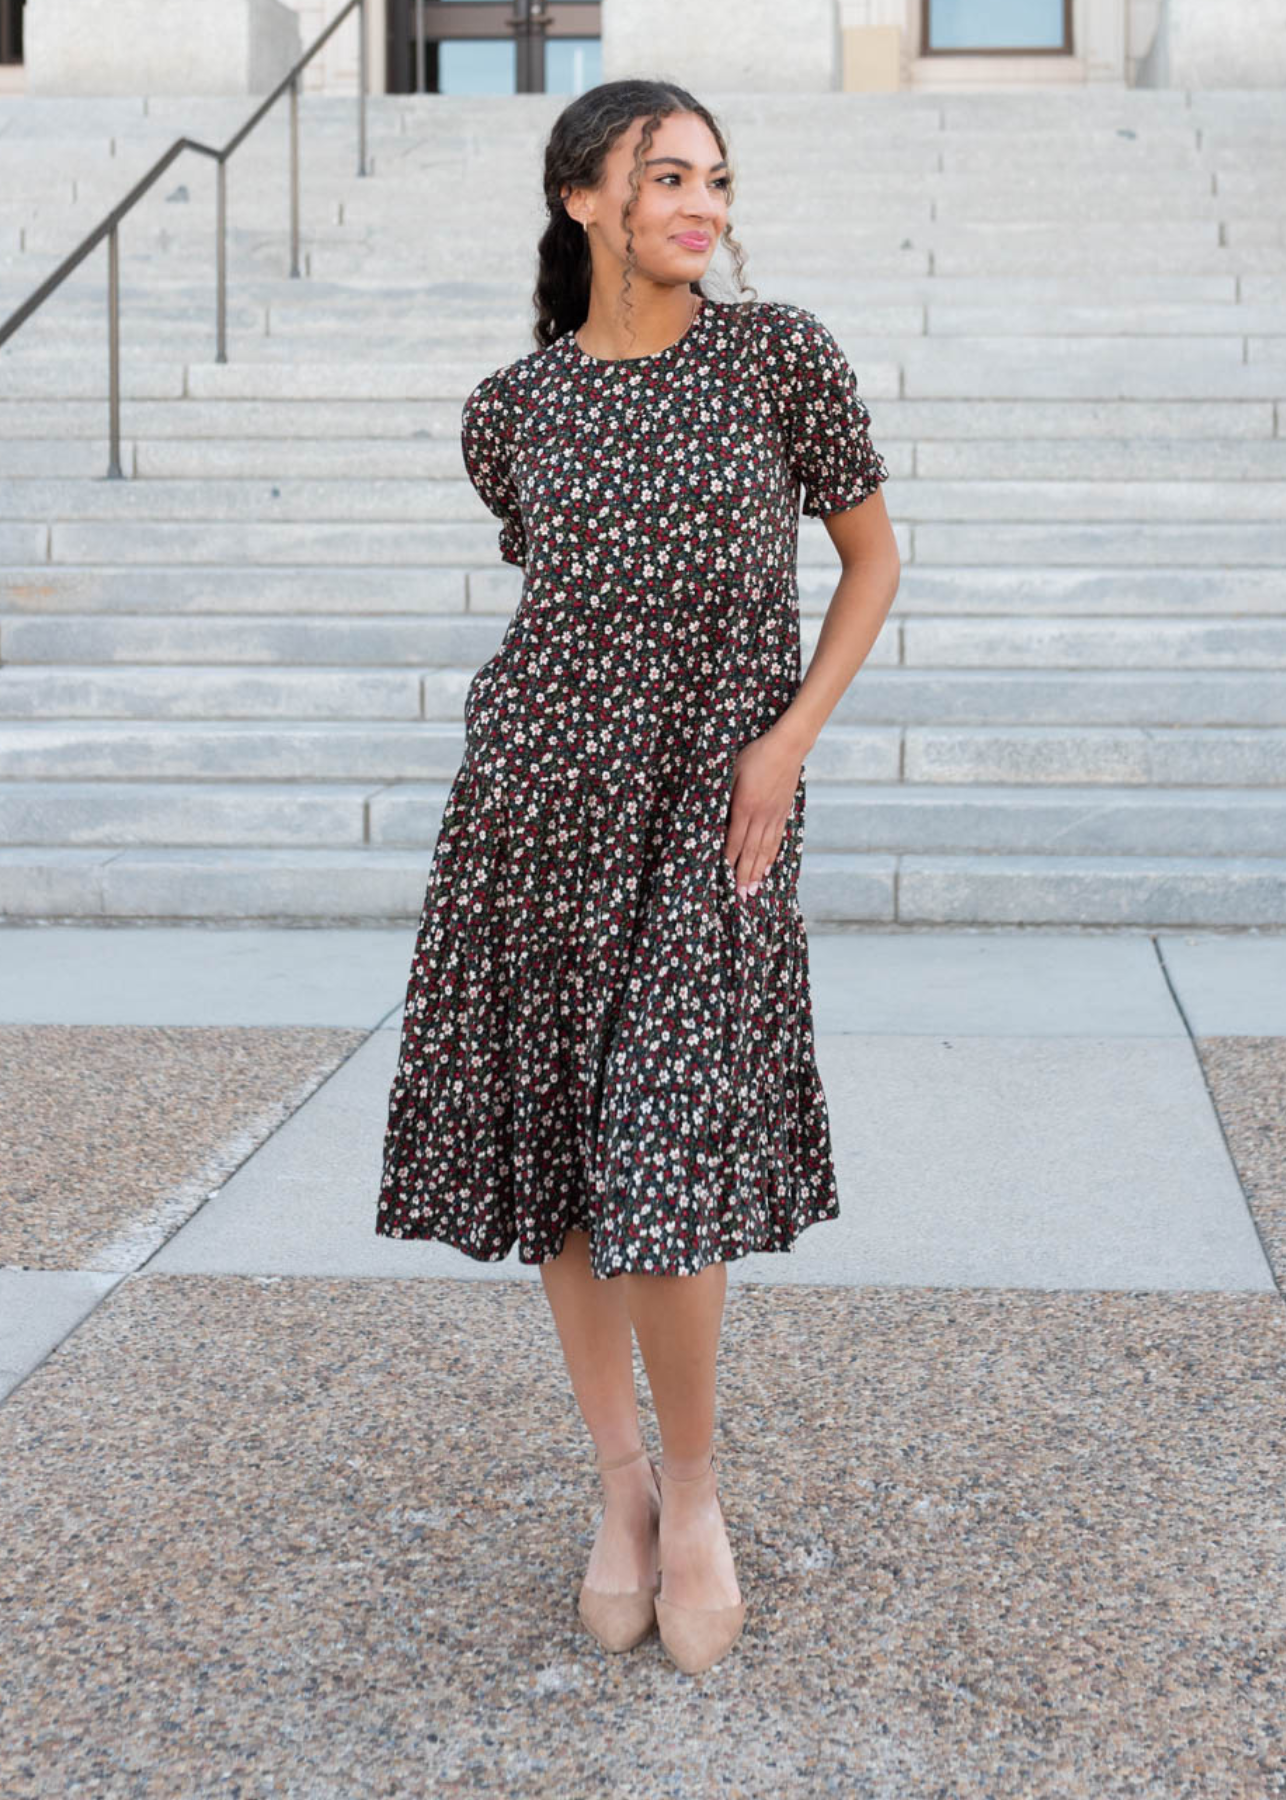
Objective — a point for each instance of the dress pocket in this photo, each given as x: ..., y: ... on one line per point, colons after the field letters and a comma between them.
x: 475, y: 689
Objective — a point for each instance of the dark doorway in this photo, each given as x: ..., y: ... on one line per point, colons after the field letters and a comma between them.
x: 493, y: 46
x: 10, y: 31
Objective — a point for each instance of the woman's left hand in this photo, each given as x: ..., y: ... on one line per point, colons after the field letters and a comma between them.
x: 765, y: 776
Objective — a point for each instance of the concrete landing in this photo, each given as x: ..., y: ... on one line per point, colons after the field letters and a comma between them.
x: 291, y: 1509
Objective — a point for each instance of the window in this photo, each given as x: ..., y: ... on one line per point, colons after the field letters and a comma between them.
x: 996, y: 26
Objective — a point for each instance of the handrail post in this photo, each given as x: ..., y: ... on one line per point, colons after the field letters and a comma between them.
x: 294, y: 175
x: 419, y: 46
x: 221, y: 261
x: 114, y: 354
x: 361, y: 87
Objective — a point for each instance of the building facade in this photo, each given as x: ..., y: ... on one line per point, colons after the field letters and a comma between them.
x: 566, y: 46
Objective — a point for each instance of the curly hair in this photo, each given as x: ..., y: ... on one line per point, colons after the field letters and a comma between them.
x: 582, y: 135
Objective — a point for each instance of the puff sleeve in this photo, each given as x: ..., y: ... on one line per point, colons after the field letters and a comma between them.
x: 487, y: 439
x: 827, y: 424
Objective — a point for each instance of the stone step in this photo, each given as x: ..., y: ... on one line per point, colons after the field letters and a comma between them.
x: 997, y: 818
x: 1207, y: 544
x: 1147, y: 891
x: 938, y: 317
x: 1095, y: 108
x: 259, y: 543
x: 951, y: 249
x: 1037, y: 754
x: 881, y: 695
x: 47, y: 590
x: 196, y: 693
x: 48, y: 356
x: 1024, y: 755
x: 188, y: 419
x: 201, y: 813
x: 368, y: 885
x: 925, y: 642
x: 896, y: 817
x: 409, y: 640
x: 74, y: 118
x: 307, y: 749
x: 73, y: 377
x: 900, y: 817
x: 1110, y: 115
x: 1088, y: 368
x: 448, y: 495
x: 965, y: 306
x: 1085, y: 367
x: 919, y: 200
x: 1015, y: 428
x: 1156, y: 460
x: 951, y: 166
x: 848, y: 297
x: 184, y: 238
x: 1091, y: 643
x: 83, y: 174
x: 254, y: 328
x: 57, y: 360
x: 1247, y: 471
x: 357, y: 543
x: 1114, y: 700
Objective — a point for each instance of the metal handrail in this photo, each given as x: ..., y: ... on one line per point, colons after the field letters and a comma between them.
x: 106, y: 228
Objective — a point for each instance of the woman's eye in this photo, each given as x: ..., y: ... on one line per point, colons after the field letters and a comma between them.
x: 722, y: 181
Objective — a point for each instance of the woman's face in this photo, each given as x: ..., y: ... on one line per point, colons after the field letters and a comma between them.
x: 682, y: 206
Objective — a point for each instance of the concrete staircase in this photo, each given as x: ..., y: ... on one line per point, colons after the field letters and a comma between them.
x: 231, y: 687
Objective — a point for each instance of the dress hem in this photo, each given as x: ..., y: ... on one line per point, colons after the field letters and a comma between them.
x: 781, y: 1245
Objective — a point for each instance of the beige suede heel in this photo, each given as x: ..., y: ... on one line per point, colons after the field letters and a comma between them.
x: 619, y: 1621
x: 695, y: 1637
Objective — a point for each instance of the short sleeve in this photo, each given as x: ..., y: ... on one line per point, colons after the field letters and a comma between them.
x: 828, y: 426
x: 487, y: 440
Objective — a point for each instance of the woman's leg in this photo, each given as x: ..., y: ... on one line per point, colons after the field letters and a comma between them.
x: 594, y: 1331
x: 677, y: 1320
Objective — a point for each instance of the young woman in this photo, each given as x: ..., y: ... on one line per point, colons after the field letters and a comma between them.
x: 607, y: 1052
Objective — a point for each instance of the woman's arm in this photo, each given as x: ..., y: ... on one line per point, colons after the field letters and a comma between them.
x: 766, y: 771
x: 868, y: 582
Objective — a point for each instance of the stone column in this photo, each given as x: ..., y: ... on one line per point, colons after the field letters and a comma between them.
x: 158, y: 46
x: 1200, y: 45
x: 725, y: 46
x: 876, y: 48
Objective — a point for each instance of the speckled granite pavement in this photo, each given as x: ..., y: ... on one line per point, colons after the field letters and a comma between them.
x: 1247, y: 1080
x: 112, y: 1136
x: 320, y: 1538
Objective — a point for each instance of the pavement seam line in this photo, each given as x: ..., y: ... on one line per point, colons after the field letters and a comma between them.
x: 124, y: 1275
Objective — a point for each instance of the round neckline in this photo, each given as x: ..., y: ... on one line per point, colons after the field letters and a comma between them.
x: 628, y: 362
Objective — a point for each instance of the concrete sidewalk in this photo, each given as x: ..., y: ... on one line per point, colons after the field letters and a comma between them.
x: 293, y: 1509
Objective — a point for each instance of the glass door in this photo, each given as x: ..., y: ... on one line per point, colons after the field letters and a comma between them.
x: 996, y: 27
x: 10, y: 31
x: 493, y: 46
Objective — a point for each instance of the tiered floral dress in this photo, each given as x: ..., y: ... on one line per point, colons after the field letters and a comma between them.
x: 598, y: 1033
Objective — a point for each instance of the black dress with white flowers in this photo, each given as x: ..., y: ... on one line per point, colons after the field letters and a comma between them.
x: 598, y: 1033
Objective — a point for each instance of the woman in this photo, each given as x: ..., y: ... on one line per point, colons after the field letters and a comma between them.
x: 607, y: 1051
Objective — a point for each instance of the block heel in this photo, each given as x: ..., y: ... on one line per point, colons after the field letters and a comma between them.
x: 695, y: 1637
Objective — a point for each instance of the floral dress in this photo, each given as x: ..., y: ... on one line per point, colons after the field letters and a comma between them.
x: 599, y: 1035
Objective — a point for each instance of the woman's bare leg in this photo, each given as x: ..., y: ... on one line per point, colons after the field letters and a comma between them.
x: 594, y: 1331
x: 677, y: 1320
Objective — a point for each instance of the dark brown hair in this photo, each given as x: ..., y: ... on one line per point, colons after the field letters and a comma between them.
x: 578, y: 145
